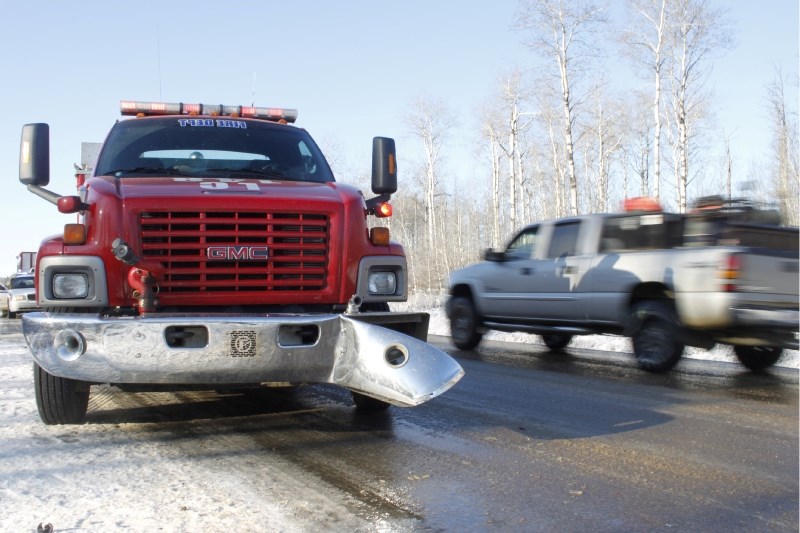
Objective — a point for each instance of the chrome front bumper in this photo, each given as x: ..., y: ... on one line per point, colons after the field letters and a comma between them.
x: 272, y: 349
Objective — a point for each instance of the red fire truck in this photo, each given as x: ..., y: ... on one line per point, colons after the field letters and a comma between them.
x: 214, y: 247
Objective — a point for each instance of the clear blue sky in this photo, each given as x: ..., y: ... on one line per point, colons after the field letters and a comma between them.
x: 352, y: 68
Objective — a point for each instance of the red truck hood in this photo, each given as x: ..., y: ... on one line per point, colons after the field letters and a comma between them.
x: 130, y: 188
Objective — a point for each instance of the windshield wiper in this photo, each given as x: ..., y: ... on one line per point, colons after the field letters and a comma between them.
x: 256, y: 172
x: 145, y: 170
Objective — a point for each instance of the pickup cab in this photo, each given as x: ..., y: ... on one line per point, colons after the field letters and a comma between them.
x: 727, y: 275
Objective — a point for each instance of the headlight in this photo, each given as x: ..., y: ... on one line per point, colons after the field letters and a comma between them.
x: 70, y: 286
x: 20, y: 297
x: 382, y: 283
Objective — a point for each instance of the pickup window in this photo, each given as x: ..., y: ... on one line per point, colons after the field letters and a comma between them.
x: 628, y: 233
x: 524, y: 246
x: 564, y: 240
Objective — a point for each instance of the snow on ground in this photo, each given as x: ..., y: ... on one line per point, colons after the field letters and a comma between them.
x: 440, y: 325
x: 97, y: 478
x: 186, y: 476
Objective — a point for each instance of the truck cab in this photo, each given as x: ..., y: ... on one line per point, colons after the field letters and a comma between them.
x: 214, y: 245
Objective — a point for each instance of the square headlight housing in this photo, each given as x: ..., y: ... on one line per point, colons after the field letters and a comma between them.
x: 382, y: 283
x: 70, y: 285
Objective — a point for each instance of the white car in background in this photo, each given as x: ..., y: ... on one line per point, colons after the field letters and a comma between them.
x: 22, y: 295
x: 3, y: 300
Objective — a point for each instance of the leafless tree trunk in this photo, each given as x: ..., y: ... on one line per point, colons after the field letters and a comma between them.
x: 647, y: 43
x: 698, y: 31
x: 432, y: 121
x: 728, y: 166
x: 558, y: 28
x: 496, y: 190
x: 785, y: 146
x: 512, y: 100
x: 607, y: 141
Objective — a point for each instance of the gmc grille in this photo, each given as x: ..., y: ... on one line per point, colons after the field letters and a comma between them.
x: 297, y: 251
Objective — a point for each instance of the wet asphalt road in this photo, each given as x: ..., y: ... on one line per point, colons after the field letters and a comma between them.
x: 527, y: 441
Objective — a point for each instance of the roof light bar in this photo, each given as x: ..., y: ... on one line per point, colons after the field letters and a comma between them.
x: 143, y: 109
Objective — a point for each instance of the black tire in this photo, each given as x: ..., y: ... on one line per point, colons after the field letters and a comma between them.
x: 556, y: 341
x: 464, y: 323
x: 368, y: 404
x: 758, y: 357
x: 60, y: 400
x: 12, y: 314
x: 656, y: 342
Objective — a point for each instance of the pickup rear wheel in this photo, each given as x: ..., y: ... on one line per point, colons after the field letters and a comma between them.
x: 60, y: 400
x: 758, y: 357
x: 655, y: 340
x: 464, y: 323
x: 556, y: 341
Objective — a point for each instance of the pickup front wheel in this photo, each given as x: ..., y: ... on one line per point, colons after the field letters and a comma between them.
x: 464, y: 323
x: 60, y: 400
x: 758, y: 357
x: 655, y: 339
x: 556, y: 341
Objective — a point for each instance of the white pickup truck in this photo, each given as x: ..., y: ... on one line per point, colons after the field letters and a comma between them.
x: 723, y: 275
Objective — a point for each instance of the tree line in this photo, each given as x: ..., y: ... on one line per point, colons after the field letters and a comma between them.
x: 556, y: 140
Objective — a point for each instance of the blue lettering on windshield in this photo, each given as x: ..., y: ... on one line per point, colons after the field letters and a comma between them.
x: 231, y: 124
x: 195, y: 122
x: 220, y: 123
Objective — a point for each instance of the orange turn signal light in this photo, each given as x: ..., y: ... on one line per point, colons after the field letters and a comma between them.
x: 74, y: 234
x: 379, y: 236
x: 384, y: 210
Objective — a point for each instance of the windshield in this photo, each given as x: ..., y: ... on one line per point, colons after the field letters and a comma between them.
x: 188, y: 146
x: 22, y: 282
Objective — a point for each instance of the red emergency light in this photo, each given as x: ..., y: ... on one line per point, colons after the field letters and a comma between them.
x: 145, y: 109
x: 641, y: 203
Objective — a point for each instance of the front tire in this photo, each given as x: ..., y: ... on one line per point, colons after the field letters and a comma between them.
x: 758, y: 357
x: 464, y: 323
x: 556, y: 341
x: 60, y: 400
x: 655, y: 340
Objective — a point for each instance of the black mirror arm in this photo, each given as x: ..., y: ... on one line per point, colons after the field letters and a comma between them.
x: 41, y: 192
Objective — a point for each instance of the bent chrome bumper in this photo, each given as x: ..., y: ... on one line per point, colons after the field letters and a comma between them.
x: 272, y: 349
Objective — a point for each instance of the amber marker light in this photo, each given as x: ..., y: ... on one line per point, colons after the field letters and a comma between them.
x: 74, y: 234
x: 379, y: 236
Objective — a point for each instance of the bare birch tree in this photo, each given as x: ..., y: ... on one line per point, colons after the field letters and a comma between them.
x: 601, y: 150
x: 697, y: 32
x: 785, y: 149
x: 431, y: 121
x: 490, y: 131
x: 559, y: 29
x: 647, y: 45
x: 512, y: 100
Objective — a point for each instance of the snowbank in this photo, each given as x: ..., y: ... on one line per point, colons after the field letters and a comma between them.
x: 440, y: 325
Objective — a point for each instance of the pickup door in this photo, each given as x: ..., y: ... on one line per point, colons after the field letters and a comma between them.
x: 524, y: 287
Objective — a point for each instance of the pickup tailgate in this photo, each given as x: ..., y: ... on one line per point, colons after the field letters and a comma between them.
x: 728, y: 287
x: 772, y: 274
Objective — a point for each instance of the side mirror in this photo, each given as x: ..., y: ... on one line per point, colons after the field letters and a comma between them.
x: 34, y: 155
x: 384, y: 166
x: 493, y: 256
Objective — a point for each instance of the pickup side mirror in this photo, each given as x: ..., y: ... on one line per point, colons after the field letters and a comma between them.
x: 494, y: 256
x: 384, y: 166
x: 34, y: 155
